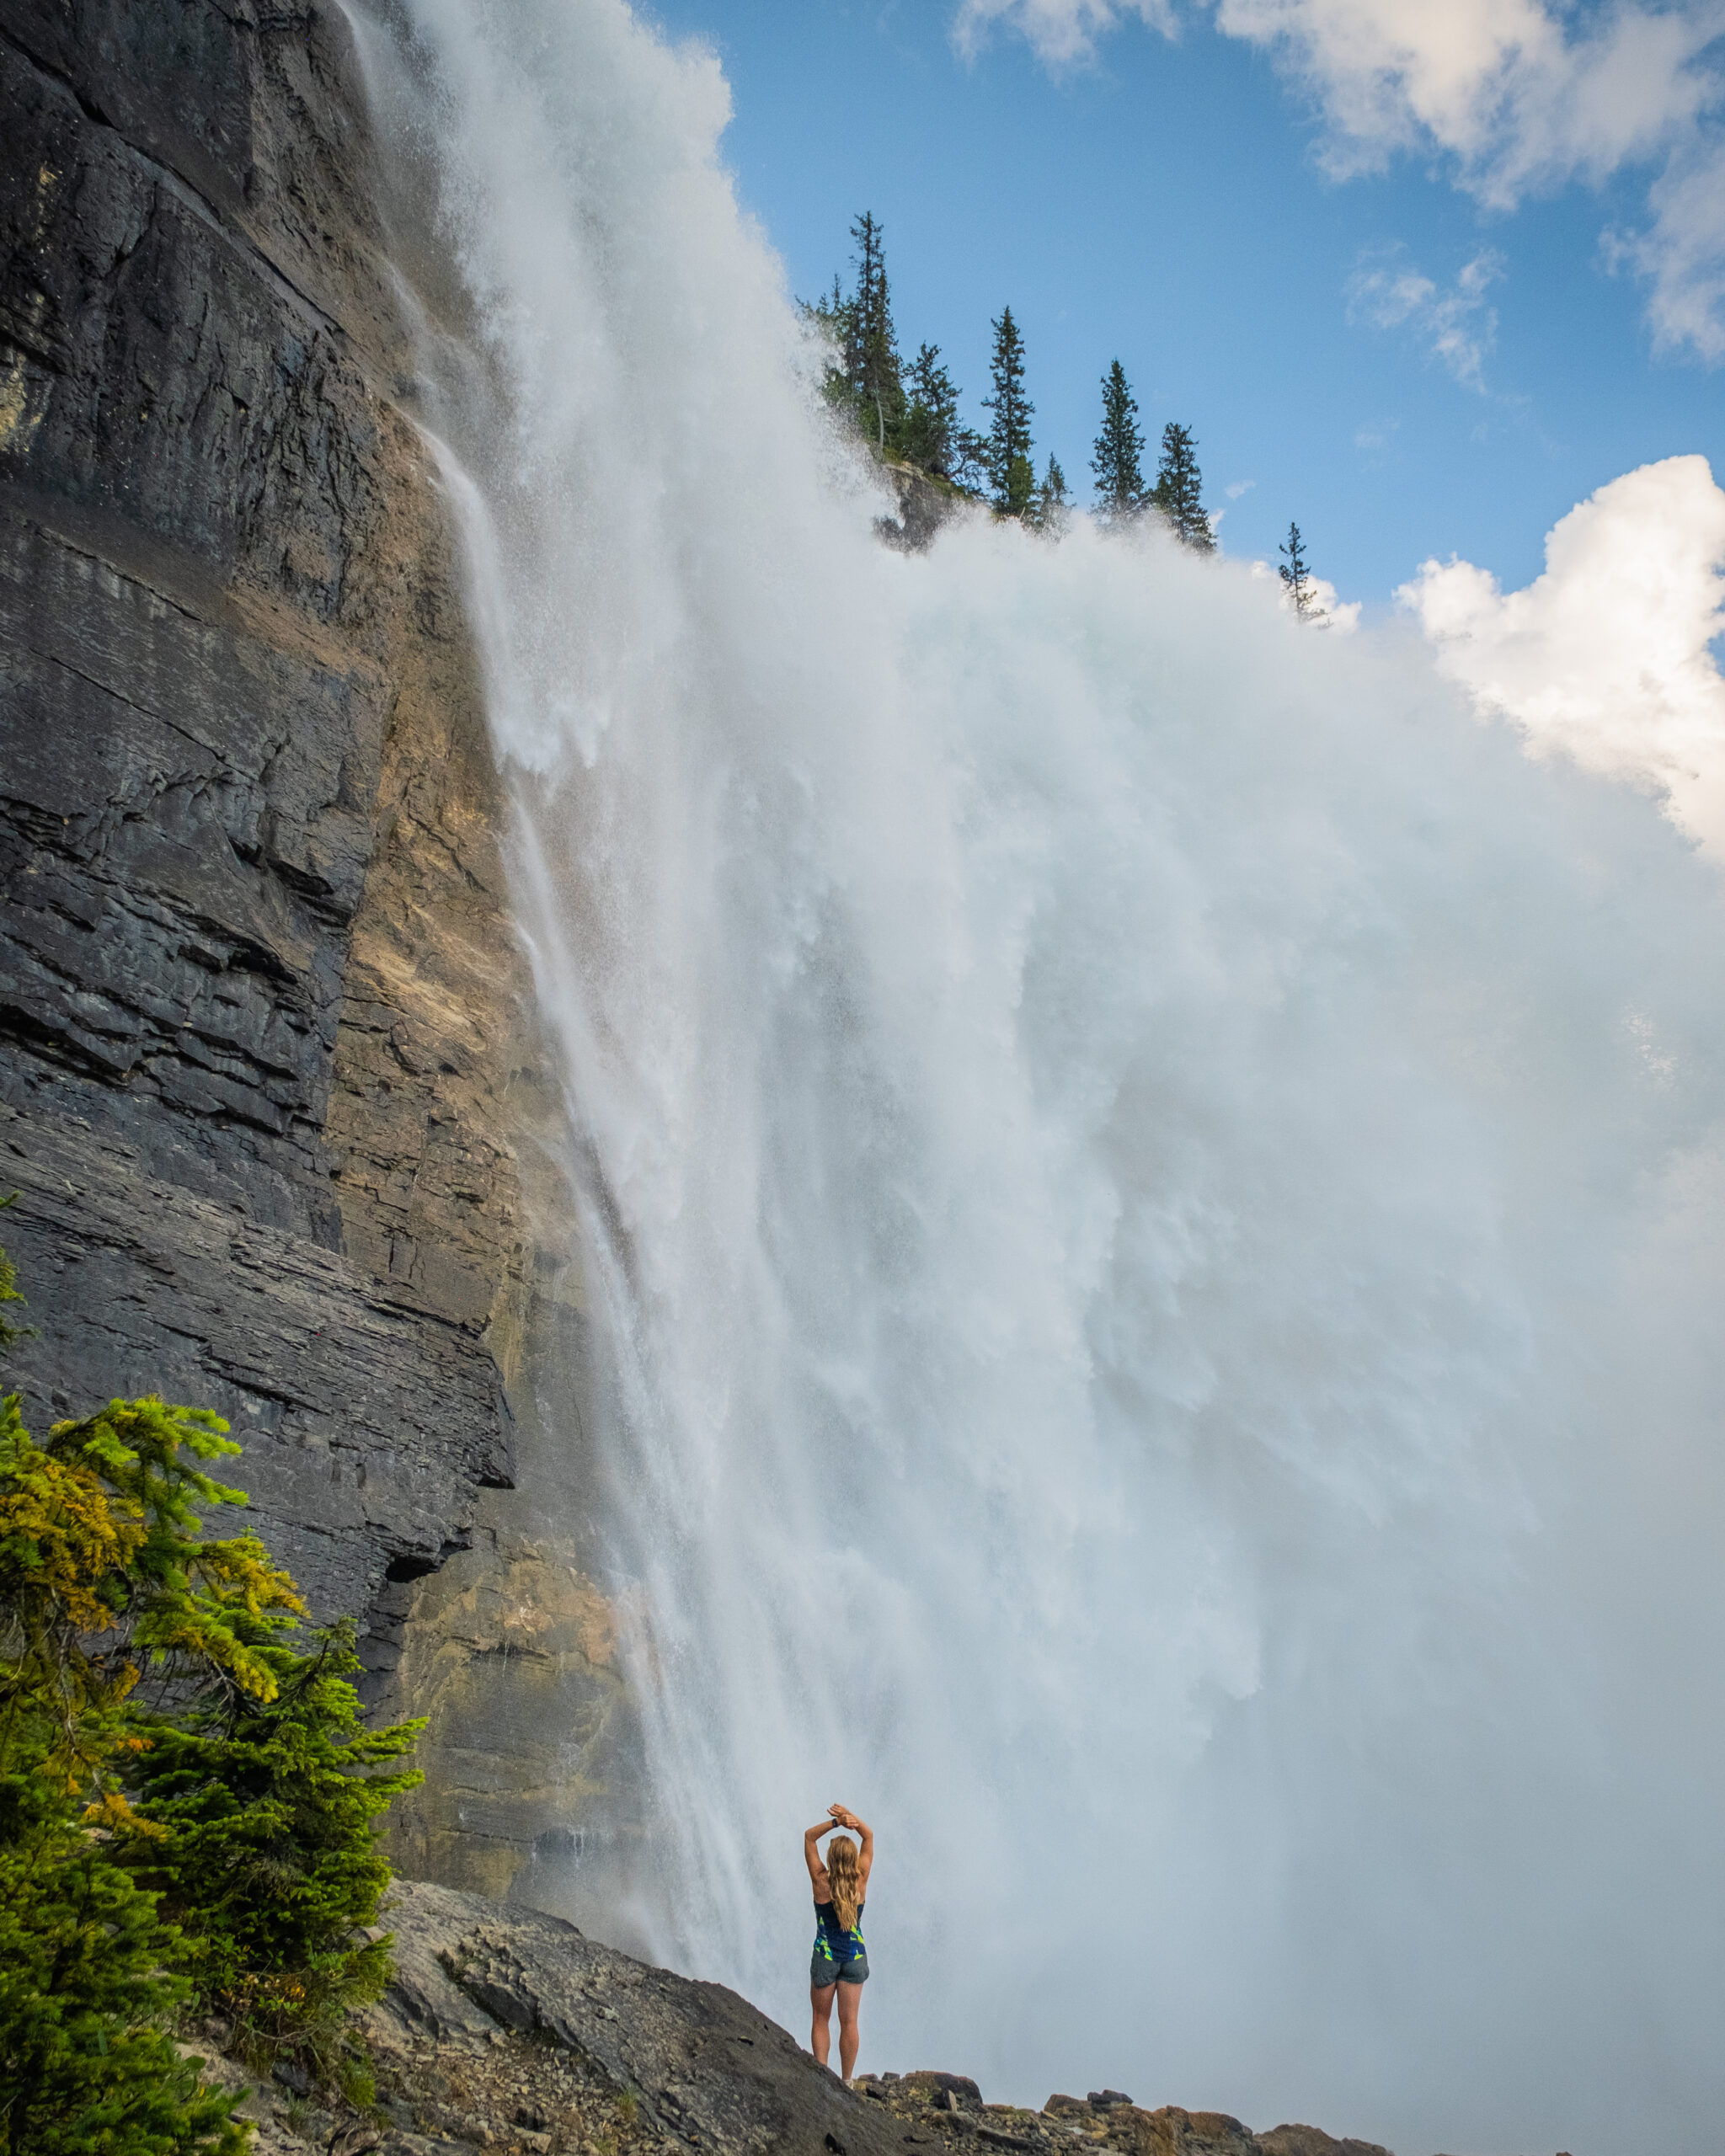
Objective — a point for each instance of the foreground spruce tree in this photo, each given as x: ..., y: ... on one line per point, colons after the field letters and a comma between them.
x: 87, y: 2066
x: 164, y: 1752
x: 1118, y: 461
x: 1011, y: 473
x: 99, y: 1577
x: 1298, y: 581
x: 1179, y: 489
x: 259, y: 1839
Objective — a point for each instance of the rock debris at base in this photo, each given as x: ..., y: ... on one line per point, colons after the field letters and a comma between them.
x: 949, y: 2107
x: 508, y: 2032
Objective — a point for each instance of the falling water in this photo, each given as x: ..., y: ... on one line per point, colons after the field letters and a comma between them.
x: 1153, y: 1216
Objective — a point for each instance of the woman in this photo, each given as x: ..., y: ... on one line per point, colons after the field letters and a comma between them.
x: 840, y: 1962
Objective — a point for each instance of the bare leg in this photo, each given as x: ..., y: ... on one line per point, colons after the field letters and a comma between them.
x: 850, y: 1999
x: 820, y: 2034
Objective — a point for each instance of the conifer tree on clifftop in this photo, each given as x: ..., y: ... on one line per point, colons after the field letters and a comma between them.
x: 1299, y: 582
x: 930, y: 431
x: 871, y: 348
x: 1048, y: 512
x: 1011, y: 473
x: 1179, y: 489
x: 1118, y: 462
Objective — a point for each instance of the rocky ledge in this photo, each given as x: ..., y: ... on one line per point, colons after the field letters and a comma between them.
x: 508, y: 2032
x: 950, y: 2107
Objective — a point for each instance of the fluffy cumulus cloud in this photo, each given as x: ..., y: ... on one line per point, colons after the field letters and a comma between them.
x: 1518, y: 95
x: 1606, y: 657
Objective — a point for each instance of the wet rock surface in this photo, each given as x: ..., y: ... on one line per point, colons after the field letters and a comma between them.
x: 925, y: 504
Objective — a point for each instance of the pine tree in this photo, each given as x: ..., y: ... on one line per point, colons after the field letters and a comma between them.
x: 256, y: 1820
x: 971, y: 461
x: 1179, y: 489
x: 831, y: 315
x: 870, y: 346
x: 1011, y: 473
x: 1301, y: 586
x: 1048, y: 513
x: 103, y: 1573
x: 163, y: 1755
x: 1118, y: 462
x: 88, y: 2065
x: 929, y: 436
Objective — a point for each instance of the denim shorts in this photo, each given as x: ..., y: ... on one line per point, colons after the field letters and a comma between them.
x: 823, y: 1970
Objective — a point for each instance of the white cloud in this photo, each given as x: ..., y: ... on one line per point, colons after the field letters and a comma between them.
x: 1682, y: 253
x: 1063, y: 32
x: 1518, y: 95
x: 1606, y: 656
x: 1240, y: 487
x: 1458, y: 324
x: 1340, y: 617
x: 1500, y: 84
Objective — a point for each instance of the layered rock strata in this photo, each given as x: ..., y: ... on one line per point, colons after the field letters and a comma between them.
x: 285, y: 1143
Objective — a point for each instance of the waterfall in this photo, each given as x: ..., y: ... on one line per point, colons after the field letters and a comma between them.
x: 1153, y: 1213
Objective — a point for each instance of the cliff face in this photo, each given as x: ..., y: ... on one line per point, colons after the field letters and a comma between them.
x: 267, y: 1079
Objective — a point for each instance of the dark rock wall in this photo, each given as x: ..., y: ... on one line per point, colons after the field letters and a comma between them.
x: 267, y: 1079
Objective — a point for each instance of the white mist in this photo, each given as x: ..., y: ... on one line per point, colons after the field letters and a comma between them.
x: 1154, y: 1221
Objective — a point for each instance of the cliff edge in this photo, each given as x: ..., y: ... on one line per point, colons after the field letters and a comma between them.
x: 507, y: 2030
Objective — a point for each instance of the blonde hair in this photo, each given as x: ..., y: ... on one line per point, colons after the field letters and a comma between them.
x: 844, y: 1878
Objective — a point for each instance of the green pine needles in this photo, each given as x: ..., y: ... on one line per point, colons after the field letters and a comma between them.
x: 88, y: 2065
x: 909, y: 415
x: 256, y: 1820
x: 1011, y: 473
x: 1118, y: 459
x: 189, y: 1795
x: 1179, y: 487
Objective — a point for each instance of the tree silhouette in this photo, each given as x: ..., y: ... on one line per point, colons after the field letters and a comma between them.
x: 1048, y: 512
x: 871, y: 348
x: 1010, y: 471
x: 1118, y: 462
x: 1299, y: 582
x: 929, y: 433
x: 1179, y: 489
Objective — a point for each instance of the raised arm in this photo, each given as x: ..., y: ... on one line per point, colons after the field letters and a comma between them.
x: 811, y: 1853
x: 865, y: 1855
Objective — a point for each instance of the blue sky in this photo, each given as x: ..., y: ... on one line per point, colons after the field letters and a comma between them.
x: 1167, y: 202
